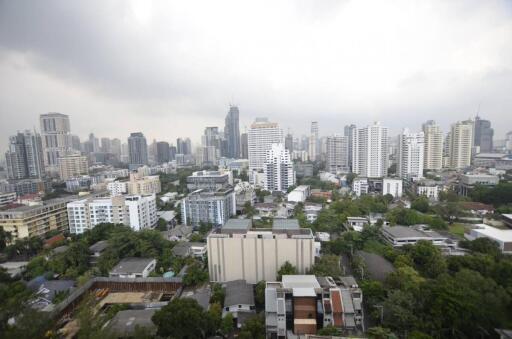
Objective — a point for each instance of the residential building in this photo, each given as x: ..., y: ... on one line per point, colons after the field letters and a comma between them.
x: 433, y: 136
x: 211, y: 146
x: 461, y: 144
x: 232, y: 133
x: 392, y: 186
x: 337, y: 154
x: 214, y: 207
x: 144, y: 185
x: 257, y: 254
x: 313, y: 149
x: 7, y: 198
x: 311, y: 211
x: 106, y: 145
x: 185, y: 249
x: 56, y: 139
x: 25, y: 186
x: 138, y: 212
x: 239, y: 301
x: 399, y: 236
x: 117, y: 188
x: 299, y: 194
x: 278, y: 169
x: 24, y: 157
x: 244, y: 146
x: 499, y: 161
x: 410, y: 155
x: 73, y: 165
x: 468, y: 181
x: 483, y: 140
x: 349, y: 132
x: 370, y: 151
x: 288, y: 142
x: 163, y: 152
x: 300, y: 305
x: 360, y: 186
x: 36, y: 220
x: 183, y: 146
x: 208, y: 180
x: 429, y: 189
x: 502, y: 237
x: 137, y: 150
x: 260, y: 137
x: 133, y: 268
x: 304, y: 169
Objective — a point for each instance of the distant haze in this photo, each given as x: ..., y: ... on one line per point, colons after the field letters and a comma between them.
x: 170, y: 68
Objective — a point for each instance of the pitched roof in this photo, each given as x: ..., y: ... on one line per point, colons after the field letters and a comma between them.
x: 131, y: 265
x: 238, y: 292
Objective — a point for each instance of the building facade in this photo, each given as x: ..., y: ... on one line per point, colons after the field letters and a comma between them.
x: 24, y: 158
x: 460, y: 144
x: 71, y: 166
x: 370, y: 151
x: 232, y: 133
x: 484, y: 134
x: 313, y: 142
x: 411, y: 152
x: 137, y: 150
x: 261, y: 136
x: 143, y: 185
x: 214, y: 207
x: 433, y: 156
x: 278, y: 169
x: 337, y: 154
x: 56, y: 139
x: 208, y: 180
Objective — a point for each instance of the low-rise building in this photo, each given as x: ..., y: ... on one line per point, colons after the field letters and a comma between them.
x: 266, y: 209
x: 133, y: 268
x: 399, y: 236
x: 468, y: 181
x: 214, y: 207
x: 7, y: 198
x: 311, y: 210
x: 96, y: 250
x: 117, y: 188
x: 392, y: 186
x: 502, y: 237
x: 299, y: 194
x: 239, y: 300
x: 477, y: 208
x: 74, y: 165
x: 356, y: 223
x: 189, y: 249
x: 208, y: 180
x: 143, y: 185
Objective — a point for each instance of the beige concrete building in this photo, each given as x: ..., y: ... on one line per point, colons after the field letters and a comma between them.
x: 433, y: 158
x: 144, y: 185
x: 461, y: 144
x: 257, y: 254
x: 30, y: 221
x: 73, y: 165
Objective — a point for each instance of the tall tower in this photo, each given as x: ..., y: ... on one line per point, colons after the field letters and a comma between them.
x: 137, y: 150
x: 24, y: 157
x: 349, y: 132
x: 433, y: 155
x: 313, y: 142
x: 260, y: 137
x: 410, y: 155
x: 278, y: 169
x: 244, y: 145
x: 56, y: 139
x: 483, y: 136
x: 370, y: 151
x: 337, y: 154
x: 232, y: 132
x: 461, y: 144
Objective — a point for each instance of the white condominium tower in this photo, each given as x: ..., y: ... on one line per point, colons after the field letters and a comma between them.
x: 313, y: 142
x: 56, y: 138
x: 337, y: 154
x: 370, y: 151
x: 433, y: 155
x: 410, y: 155
x: 461, y: 144
x: 278, y: 169
x: 260, y: 137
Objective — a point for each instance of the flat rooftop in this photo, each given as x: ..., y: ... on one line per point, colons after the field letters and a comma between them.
x: 238, y: 224
x: 409, y: 232
x: 494, y: 233
x: 285, y: 224
x: 131, y: 265
x: 289, y: 232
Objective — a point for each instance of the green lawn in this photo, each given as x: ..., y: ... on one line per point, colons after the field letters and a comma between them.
x: 457, y: 229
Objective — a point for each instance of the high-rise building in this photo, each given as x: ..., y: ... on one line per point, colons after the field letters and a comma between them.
x: 370, y: 151
x: 163, y: 152
x: 56, y: 139
x: 106, y: 145
x: 116, y: 148
x: 24, y: 157
x: 349, y: 132
x: 75, y: 143
x: 94, y: 142
x: 278, y: 169
x: 137, y: 150
x: 214, y: 207
x: 260, y: 138
x: 433, y: 156
x: 244, y: 146
x: 411, y: 153
x: 183, y: 146
x: 337, y: 154
x: 73, y: 165
x: 461, y: 144
x: 172, y: 152
x: 483, y: 136
x: 288, y: 142
x: 313, y: 142
x: 211, y: 146
x: 232, y: 133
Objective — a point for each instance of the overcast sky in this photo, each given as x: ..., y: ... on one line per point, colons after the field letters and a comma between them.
x: 170, y: 68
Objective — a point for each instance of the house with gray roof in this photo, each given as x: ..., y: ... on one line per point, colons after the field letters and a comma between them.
x: 124, y: 322
x: 239, y: 299
x: 133, y: 268
x: 399, y: 236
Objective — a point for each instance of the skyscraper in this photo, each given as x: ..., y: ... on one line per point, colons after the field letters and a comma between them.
x: 370, y: 151
x: 163, y: 152
x: 349, y: 131
x: 260, y: 137
x: 24, y: 157
x: 116, y: 148
x: 56, y: 139
x: 278, y: 169
x: 411, y: 153
x: 244, y: 146
x: 137, y: 150
x: 483, y: 136
x: 75, y: 143
x: 433, y: 156
x: 183, y: 146
x: 106, y: 145
x: 461, y: 144
x: 337, y: 154
x: 288, y: 142
x: 232, y: 133
x: 211, y: 146
x: 95, y: 143
x: 313, y: 142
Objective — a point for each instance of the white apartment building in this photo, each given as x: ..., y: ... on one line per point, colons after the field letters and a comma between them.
x: 360, y: 186
x: 461, y: 144
x: 433, y: 155
x: 410, y: 155
x: 299, y: 194
x: 214, y: 207
x: 257, y: 254
x: 138, y: 212
x: 260, y: 136
x: 71, y: 166
x: 278, y: 169
x: 370, y: 151
x: 117, y: 188
x: 56, y: 138
x: 337, y: 154
x: 431, y: 192
x: 144, y: 185
x: 392, y: 186
x: 313, y: 142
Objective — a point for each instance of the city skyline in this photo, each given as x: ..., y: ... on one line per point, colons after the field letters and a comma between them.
x: 170, y: 91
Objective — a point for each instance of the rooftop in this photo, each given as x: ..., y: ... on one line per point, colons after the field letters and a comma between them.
x: 99, y: 246
x: 494, y: 233
x: 285, y: 224
x: 409, y: 232
x: 240, y: 224
x: 377, y: 266
x: 131, y: 265
x: 300, y: 281
x: 238, y: 292
x: 125, y: 322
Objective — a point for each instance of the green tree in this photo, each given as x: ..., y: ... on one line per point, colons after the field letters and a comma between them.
x: 329, y: 330
x: 380, y: 333
x: 5, y: 238
x: 427, y: 258
x: 253, y: 328
x: 259, y: 295
x: 195, y: 275
x: 421, y: 204
x: 286, y: 269
x: 226, y: 325
x: 327, y: 265
x: 218, y: 294
x: 181, y: 318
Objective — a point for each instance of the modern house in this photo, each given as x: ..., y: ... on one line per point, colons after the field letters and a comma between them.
x: 133, y: 268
